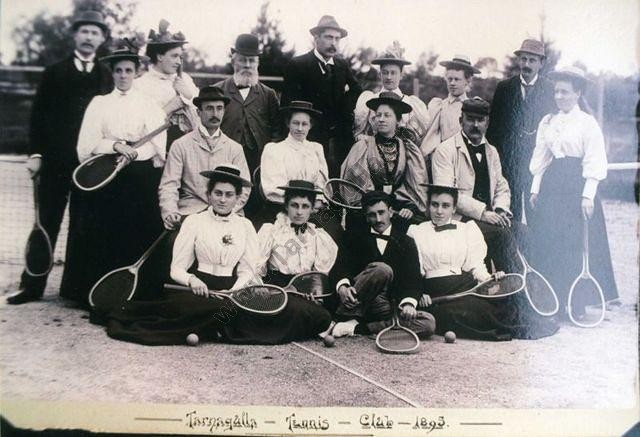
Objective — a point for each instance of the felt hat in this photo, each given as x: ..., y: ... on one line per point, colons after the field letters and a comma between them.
x: 328, y: 22
x: 476, y: 106
x: 90, y: 17
x: 247, y: 45
x: 391, y: 99
x: 532, y: 46
x: 209, y: 94
x: 460, y: 62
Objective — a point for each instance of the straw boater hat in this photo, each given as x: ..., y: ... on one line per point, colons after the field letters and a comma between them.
x: 476, y: 106
x: 572, y: 73
x: 392, y: 55
x: 391, y: 99
x: 300, y: 185
x: 165, y: 38
x: 90, y: 17
x: 227, y: 171
x: 127, y: 51
x: 532, y: 46
x: 247, y: 45
x: 328, y: 22
x: 301, y: 106
x: 209, y: 94
x: 460, y: 62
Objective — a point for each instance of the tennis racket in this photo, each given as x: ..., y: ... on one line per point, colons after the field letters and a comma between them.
x: 259, y: 299
x: 397, y: 339
x: 511, y: 283
x: 343, y: 193
x: 39, y: 251
x: 586, y: 290
x: 119, y: 285
x: 539, y: 292
x: 99, y: 170
x: 311, y: 285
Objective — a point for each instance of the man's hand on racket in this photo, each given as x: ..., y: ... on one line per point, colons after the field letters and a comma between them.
x: 495, y: 219
x: 408, y: 312
x: 34, y: 163
x: 587, y: 208
x: 173, y: 105
x: 172, y: 220
x: 347, y: 296
x: 425, y: 301
x: 405, y: 213
x: 198, y: 287
x: 497, y: 276
x: 127, y: 151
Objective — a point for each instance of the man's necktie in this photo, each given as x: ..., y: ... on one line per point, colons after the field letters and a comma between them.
x: 527, y: 90
x: 446, y: 227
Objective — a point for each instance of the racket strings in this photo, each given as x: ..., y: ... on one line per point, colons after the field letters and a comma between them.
x: 112, y: 290
x: 97, y: 171
x: 397, y: 340
x: 504, y: 287
x: 586, y: 304
x: 38, y: 254
x: 261, y: 298
x: 344, y: 194
x: 540, y: 294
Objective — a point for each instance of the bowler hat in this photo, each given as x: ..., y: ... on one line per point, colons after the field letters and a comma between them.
x: 373, y: 197
x: 460, y: 62
x: 328, y: 22
x: 210, y: 93
x: 571, y: 73
x: 300, y: 185
x: 165, y: 38
x: 532, y: 46
x: 90, y: 17
x: 476, y: 106
x: 391, y: 99
x: 392, y: 55
x: 247, y: 45
x: 301, y: 106
x: 226, y: 171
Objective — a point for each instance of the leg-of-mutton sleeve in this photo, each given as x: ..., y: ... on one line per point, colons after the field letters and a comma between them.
x: 265, y: 241
x: 542, y: 156
x: 326, y: 251
x: 168, y: 190
x: 91, y: 139
x: 272, y: 173
x: 184, y: 251
x: 476, y: 253
x: 246, y: 270
x: 594, y: 162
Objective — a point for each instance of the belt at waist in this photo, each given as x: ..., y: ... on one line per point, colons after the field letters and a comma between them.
x: 215, y: 269
x: 442, y: 272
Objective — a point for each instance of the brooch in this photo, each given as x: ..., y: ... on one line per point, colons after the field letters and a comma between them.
x: 227, y: 240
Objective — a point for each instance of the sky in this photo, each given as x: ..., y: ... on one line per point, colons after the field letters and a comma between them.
x: 602, y: 34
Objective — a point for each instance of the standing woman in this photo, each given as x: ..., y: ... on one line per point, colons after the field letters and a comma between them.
x: 385, y: 162
x: 123, y: 218
x: 568, y: 163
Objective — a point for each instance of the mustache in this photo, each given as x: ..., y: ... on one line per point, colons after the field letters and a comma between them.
x: 214, y: 119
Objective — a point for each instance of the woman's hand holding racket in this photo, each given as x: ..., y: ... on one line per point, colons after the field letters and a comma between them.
x: 198, y: 287
x: 425, y: 301
x: 587, y: 208
x: 172, y: 221
x: 405, y: 213
x: 129, y: 153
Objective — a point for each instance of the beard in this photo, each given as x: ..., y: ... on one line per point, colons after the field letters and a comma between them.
x: 246, y: 77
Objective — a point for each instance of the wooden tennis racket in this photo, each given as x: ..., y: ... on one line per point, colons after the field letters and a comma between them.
x: 258, y: 299
x: 511, y: 283
x: 397, y: 339
x: 119, y: 285
x: 99, y: 170
x: 586, y: 292
x: 539, y: 292
x: 343, y: 193
x: 39, y: 251
x: 310, y: 285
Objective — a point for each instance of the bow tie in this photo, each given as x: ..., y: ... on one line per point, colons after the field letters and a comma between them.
x: 220, y: 218
x: 446, y: 227
x: 380, y: 236
x: 300, y: 229
x: 243, y: 87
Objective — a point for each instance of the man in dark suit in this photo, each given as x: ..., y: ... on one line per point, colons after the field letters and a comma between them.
x: 376, y: 269
x: 518, y: 106
x: 64, y: 93
x: 326, y: 81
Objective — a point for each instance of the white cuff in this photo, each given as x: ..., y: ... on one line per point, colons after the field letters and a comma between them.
x: 342, y: 282
x: 535, y: 184
x: 590, y: 188
x: 411, y: 301
x: 35, y: 155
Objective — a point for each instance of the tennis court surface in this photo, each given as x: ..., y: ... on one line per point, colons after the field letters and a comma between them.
x: 50, y: 351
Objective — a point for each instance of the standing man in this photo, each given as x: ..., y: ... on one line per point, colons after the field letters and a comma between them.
x: 443, y: 115
x: 326, y: 81
x: 66, y: 89
x: 251, y: 116
x: 518, y: 106
x: 466, y: 161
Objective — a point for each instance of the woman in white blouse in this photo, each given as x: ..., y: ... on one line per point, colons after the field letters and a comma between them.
x: 568, y: 163
x: 122, y: 219
x: 451, y: 255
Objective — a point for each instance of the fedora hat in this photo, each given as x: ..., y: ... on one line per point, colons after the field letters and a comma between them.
x: 300, y: 185
x: 226, y: 171
x: 476, y: 106
x: 532, y: 46
x: 392, y: 55
x: 89, y: 17
x: 210, y: 93
x: 571, y: 73
x: 391, y: 99
x: 247, y: 45
x: 127, y: 51
x: 328, y: 22
x: 165, y: 38
x: 301, y: 106
x: 460, y: 62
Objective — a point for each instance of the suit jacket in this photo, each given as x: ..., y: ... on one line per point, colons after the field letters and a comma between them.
x: 58, y: 108
x: 303, y: 79
x: 359, y: 248
x: 451, y: 165
x: 513, y: 121
x: 255, y: 117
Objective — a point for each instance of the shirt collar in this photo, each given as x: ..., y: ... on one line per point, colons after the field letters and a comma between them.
x: 217, y: 217
x: 461, y: 98
x: 468, y: 141
x: 433, y: 225
x: 532, y: 83
x: 91, y: 58
x: 396, y: 91
x: 321, y: 58
x: 205, y: 133
x: 160, y: 75
x: 386, y: 232
x: 295, y: 142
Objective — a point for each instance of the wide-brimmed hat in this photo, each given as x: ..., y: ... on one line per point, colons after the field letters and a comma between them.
x: 570, y: 73
x: 440, y: 189
x: 127, y: 51
x: 476, y: 106
x: 392, y: 55
x: 165, y: 38
x: 391, y: 99
x: 301, y: 106
x: 226, y: 171
x: 90, y: 17
x: 247, y: 45
x: 460, y: 62
x: 300, y: 185
x: 209, y: 94
x: 532, y: 46
x: 328, y: 22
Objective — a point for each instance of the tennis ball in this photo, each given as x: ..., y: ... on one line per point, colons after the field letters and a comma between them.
x: 329, y: 341
x: 449, y: 337
x: 192, y: 339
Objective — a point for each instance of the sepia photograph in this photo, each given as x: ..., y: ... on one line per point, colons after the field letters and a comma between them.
x: 297, y: 217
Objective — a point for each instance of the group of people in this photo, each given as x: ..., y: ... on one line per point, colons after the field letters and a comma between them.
x: 453, y: 189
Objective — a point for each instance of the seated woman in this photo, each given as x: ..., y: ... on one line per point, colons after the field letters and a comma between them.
x: 387, y: 163
x: 224, y: 246
x: 291, y: 245
x: 452, y: 260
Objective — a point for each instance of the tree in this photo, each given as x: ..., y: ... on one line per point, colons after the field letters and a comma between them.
x: 44, y: 38
x: 274, y: 58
